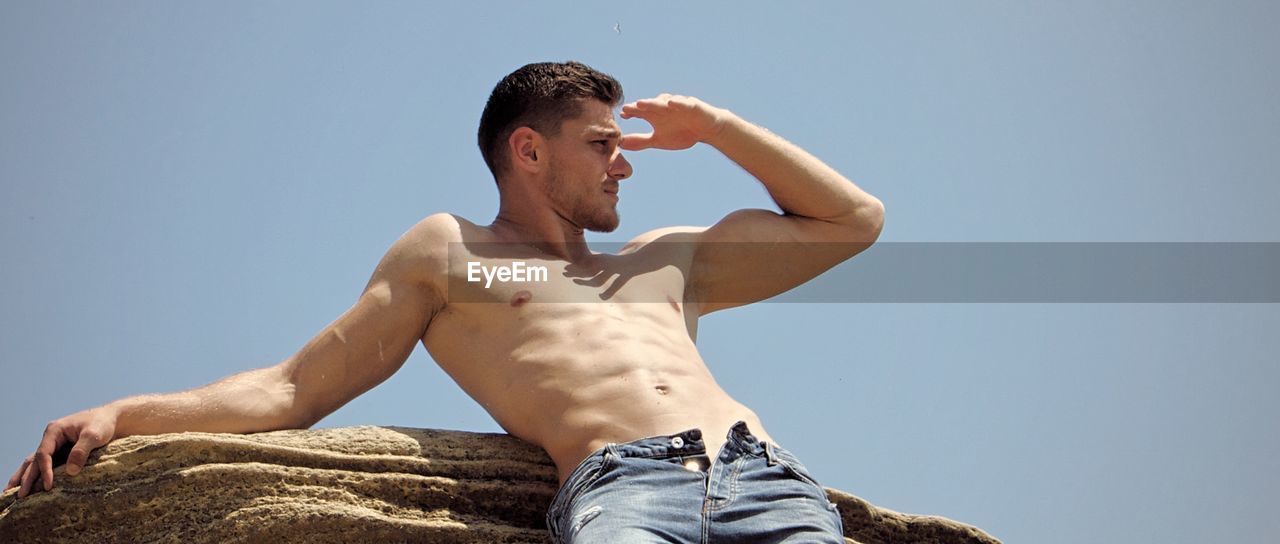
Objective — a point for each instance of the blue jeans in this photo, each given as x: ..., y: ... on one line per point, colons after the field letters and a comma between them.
x: 659, y: 489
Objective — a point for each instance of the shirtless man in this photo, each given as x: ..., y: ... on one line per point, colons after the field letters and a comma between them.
x: 596, y: 363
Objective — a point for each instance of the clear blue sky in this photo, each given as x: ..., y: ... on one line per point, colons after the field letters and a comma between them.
x: 189, y: 190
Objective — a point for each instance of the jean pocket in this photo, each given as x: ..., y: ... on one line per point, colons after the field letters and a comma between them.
x: 581, y: 519
x: 795, y: 467
x: 578, y: 483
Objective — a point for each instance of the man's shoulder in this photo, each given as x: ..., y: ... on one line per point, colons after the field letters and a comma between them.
x: 423, y: 250
x: 437, y: 229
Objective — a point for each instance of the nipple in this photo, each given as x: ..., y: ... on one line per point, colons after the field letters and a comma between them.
x: 520, y: 298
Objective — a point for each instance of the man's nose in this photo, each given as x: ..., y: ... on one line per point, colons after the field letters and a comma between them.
x: 620, y: 169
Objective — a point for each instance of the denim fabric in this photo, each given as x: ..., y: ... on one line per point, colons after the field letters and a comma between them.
x: 659, y: 489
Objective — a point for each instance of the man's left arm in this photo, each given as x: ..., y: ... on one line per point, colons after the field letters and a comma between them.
x: 753, y: 254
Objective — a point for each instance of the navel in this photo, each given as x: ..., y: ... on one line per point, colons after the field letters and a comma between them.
x: 662, y: 389
x: 520, y: 298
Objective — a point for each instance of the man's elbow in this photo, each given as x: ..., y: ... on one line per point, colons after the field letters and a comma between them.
x: 291, y: 410
x: 863, y: 224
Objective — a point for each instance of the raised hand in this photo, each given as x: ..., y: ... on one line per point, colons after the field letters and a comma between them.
x: 678, y: 122
x: 81, y: 431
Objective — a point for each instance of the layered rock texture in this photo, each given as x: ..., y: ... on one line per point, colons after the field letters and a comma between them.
x: 352, y: 484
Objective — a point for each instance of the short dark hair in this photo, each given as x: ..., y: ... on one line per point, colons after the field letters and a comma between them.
x: 540, y: 96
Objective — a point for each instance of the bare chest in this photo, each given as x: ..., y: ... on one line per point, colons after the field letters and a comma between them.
x: 603, y: 279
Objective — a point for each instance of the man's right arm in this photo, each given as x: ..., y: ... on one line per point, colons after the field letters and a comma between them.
x: 362, y: 348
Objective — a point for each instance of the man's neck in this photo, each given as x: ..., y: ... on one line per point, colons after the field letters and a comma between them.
x: 535, y: 223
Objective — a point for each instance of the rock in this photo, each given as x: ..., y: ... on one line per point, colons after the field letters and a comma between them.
x: 351, y: 484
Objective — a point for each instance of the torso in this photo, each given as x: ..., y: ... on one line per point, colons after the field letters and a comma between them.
x: 573, y: 365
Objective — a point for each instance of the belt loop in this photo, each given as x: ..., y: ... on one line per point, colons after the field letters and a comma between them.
x: 769, y: 454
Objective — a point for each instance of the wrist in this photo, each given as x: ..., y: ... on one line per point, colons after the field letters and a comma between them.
x: 112, y: 409
x: 119, y: 411
x: 725, y: 125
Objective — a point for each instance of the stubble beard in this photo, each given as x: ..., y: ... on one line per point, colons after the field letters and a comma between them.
x: 595, y: 218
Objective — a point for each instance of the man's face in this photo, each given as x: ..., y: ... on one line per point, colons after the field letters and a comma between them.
x: 586, y: 168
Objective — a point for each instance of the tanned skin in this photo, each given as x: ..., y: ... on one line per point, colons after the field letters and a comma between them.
x: 601, y: 352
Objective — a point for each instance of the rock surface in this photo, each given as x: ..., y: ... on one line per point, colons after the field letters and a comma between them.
x: 351, y: 484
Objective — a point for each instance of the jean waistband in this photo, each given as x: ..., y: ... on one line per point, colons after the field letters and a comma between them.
x: 738, y: 441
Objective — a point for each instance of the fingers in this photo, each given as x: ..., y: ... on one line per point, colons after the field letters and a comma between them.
x: 77, y: 437
x: 640, y: 108
x: 45, y: 463
x: 636, y: 142
x: 662, y: 101
x: 38, y: 468
x: 28, y: 478
x: 17, y: 476
x: 630, y: 111
x: 53, y: 438
x: 85, y: 443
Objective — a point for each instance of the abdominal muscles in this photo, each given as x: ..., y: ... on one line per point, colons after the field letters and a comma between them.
x: 571, y: 377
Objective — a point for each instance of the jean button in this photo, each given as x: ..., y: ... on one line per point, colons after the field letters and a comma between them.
x: 677, y: 442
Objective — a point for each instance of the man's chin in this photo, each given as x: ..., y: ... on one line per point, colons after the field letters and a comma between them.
x: 603, y: 224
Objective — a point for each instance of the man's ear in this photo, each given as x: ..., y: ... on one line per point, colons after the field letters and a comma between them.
x: 528, y: 150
